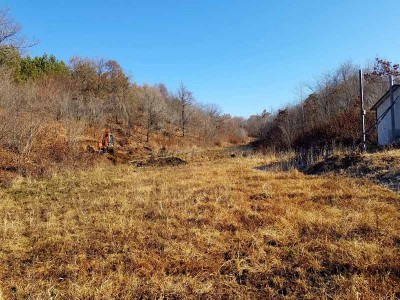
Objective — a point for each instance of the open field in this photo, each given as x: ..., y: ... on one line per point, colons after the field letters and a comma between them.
x: 211, y: 229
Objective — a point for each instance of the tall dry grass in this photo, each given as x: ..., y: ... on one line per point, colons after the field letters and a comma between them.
x: 216, y: 229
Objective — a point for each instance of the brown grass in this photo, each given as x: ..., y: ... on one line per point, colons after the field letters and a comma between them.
x: 381, y: 167
x: 213, y: 229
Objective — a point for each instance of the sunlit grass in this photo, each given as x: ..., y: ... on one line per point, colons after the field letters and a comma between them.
x: 210, y: 229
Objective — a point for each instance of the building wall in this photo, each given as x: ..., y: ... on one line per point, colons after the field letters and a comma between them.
x: 385, y: 127
x: 397, y: 113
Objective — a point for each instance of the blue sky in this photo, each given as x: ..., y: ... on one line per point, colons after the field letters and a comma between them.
x: 243, y: 56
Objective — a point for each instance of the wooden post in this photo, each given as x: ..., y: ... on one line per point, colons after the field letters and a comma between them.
x: 362, y: 112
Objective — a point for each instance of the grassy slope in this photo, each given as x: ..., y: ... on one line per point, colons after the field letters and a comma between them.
x: 212, y: 229
x: 381, y: 167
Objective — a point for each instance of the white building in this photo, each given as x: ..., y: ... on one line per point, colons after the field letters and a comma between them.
x: 388, y: 116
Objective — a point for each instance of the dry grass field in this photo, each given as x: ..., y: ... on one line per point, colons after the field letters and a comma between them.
x: 211, y: 229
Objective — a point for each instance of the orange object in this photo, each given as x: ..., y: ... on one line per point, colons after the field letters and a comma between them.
x: 107, y: 140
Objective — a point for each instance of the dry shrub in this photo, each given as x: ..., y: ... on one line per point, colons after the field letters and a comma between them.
x: 235, y: 140
x: 8, y: 166
x: 51, y: 144
x: 37, y: 153
x: 218, y: 143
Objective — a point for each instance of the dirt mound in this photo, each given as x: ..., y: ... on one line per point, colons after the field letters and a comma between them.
x: 335, y: 163
x: 381, y: 167
x: 160, y: 162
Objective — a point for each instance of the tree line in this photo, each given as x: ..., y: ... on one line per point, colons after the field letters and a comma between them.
x: 85, y: 94
x: 46, y: 103
x: 329, y: 114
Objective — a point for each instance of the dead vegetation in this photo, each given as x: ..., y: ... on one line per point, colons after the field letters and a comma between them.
x: 381, y: 167
x: 214, y: 229
x: 160, y: 162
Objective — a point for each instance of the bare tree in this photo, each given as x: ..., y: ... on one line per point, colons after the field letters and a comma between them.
x: 154, y: 106
x: 10, y: 32
x: 185, y: 98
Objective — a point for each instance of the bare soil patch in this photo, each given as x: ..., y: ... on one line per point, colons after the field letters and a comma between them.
x: 160, y: 162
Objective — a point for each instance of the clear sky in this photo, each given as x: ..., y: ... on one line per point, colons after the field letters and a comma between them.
x: 241, y: 55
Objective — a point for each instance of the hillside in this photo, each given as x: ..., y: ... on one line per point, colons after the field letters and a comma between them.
x: 213, y: 228
x: 52, y: 150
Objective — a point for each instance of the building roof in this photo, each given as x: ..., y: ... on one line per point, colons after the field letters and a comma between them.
x: 383, y: 98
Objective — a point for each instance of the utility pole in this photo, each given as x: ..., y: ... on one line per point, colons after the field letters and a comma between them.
x: 362, y: 112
